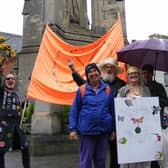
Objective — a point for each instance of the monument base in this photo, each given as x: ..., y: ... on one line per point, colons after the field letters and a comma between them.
x: 41, y: 145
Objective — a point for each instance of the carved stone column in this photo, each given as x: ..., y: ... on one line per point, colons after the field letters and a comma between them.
x: 47, y: 118
x: 104, y: 15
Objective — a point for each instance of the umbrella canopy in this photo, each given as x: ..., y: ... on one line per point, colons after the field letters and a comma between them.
x: 151, y: 51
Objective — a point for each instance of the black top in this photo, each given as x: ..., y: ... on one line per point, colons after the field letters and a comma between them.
x: 158, y: 90
x: 9, y: 104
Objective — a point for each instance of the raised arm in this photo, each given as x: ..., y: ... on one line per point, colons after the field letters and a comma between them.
x: 76, y: 76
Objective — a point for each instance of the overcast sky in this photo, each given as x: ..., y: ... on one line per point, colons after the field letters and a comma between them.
x: 11, y: 19
x: 143, y: 17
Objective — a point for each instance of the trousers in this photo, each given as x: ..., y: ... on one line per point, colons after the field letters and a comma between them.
x: 155, y: 164
x: 93, y: 149
x: 113, y: 154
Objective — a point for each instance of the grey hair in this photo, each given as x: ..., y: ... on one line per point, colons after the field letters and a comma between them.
x: 4, y: 77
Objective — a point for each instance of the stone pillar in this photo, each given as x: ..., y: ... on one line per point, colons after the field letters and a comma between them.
x: 121, y: 8
x: 77, y: 11
x: 56, y: 12
x: 33, y: 25
x: 46, y: 119
x: 83, y: 14
x: 46, y: 137
x: 105, y: 13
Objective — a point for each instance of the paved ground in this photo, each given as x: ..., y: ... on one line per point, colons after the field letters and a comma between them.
x: 13, y: 160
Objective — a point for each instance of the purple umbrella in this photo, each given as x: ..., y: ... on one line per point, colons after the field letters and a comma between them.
x: 151, y: 51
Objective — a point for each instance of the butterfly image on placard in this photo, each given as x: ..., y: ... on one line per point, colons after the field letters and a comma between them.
x: 158, y: 137
x: 120, y: 118
x: 156, y: 110
x: 137, y: 121
x: 128, y: 102
x: 123, y: 140
x: 158, y: 155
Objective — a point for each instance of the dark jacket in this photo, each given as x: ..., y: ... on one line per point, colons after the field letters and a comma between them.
x: 157, y: 89
x: 11, y: 134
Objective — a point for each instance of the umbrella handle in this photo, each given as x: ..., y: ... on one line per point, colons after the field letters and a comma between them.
x: 154, y: 75
x: 155, y: 64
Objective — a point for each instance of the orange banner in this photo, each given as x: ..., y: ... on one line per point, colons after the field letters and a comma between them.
x: 51, y: 79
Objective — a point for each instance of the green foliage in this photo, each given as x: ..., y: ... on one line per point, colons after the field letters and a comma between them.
x: 27, y: 117
x: 29, y: 111
x: 65, y: 118
x: 65, y: 115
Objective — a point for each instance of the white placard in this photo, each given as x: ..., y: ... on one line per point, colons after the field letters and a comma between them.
x: 138, y: 129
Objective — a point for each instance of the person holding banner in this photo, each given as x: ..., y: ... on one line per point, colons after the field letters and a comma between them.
x: 134, y: 88
x: 92, y: 120
x: 11, y: 135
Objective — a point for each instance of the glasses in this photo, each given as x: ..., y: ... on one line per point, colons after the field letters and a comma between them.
x: 10, y: 78
x: 133, y: 73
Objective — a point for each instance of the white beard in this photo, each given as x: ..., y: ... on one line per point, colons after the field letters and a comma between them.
x: 109, y: 78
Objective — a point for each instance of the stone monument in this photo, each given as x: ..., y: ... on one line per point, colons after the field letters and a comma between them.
x: 69, y: 20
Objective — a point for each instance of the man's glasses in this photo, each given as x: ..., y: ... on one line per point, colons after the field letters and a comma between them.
x: 10, y: 78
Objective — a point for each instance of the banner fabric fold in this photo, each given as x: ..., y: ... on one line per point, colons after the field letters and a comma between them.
x: 51, y: 79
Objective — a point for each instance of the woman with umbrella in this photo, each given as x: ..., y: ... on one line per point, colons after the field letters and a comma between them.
x: 133, y: 89
x: 151, y: 55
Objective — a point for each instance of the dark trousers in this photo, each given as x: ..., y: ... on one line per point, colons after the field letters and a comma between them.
x: 155, y: 164
x: 25, y: 158
x: 113, y: 154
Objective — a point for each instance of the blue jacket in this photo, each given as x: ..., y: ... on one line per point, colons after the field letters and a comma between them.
x: 94, y: 113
